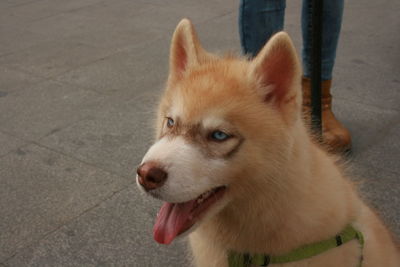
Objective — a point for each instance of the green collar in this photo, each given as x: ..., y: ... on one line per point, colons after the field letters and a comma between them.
x: 246, y: 260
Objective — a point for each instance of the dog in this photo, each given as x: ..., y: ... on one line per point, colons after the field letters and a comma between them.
x: 239, y: 172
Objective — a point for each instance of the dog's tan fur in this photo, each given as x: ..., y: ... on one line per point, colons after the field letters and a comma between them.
x: 284, y: 191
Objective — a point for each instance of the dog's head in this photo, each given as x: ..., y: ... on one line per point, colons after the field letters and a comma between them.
x: 222, y: 122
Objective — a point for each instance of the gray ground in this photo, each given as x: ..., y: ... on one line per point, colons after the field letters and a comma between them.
x: 78, y: 84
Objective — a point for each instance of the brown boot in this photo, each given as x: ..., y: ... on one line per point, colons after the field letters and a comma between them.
x: 335, y: 136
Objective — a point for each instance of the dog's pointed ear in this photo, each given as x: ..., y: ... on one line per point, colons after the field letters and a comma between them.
x: 186, y: 50
x: 277, y: 70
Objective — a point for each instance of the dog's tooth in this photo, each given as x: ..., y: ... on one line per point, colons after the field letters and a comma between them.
x: 204, y: 196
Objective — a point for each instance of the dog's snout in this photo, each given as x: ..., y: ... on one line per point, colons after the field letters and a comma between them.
x: 151, y: 176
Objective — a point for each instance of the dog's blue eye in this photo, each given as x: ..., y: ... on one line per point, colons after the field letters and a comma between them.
x: 170, y: 122
x: 219, y: 136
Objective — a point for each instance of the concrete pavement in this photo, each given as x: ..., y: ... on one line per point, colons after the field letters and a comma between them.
x: 79, y: 81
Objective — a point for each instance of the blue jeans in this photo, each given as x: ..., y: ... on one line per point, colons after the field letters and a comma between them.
x: 260, y: 19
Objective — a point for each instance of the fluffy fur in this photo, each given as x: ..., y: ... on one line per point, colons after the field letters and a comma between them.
x: 283, y: 191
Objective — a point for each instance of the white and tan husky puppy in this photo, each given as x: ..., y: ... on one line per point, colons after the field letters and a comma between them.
x: 237, y: 170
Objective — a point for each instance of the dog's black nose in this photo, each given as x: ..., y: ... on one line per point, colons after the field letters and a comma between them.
x: 151, y: 176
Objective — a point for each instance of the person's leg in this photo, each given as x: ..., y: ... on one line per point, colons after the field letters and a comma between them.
x: 334, y: 134
x: 258, y: 21
x: 332, y: 21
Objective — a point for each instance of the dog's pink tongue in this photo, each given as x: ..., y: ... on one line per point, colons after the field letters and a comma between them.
x: 172, y: 220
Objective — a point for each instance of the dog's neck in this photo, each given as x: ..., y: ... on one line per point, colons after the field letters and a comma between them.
x: 310, y: 202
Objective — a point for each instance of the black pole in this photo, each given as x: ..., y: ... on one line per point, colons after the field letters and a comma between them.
x: 316, y: 46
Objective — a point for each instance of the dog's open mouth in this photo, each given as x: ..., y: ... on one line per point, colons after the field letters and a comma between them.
x: 175, y: 218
